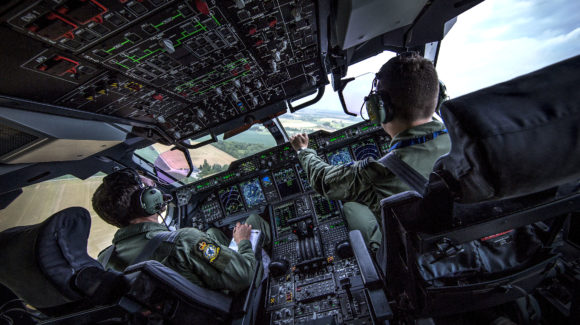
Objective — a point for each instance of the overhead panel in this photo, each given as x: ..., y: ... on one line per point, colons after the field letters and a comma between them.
x: 184, y: 66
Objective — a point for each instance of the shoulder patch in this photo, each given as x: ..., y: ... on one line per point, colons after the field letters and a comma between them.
x: 209, y: 251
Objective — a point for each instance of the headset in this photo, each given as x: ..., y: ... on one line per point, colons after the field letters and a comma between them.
x: 379, y: 107
x: 148, y: 200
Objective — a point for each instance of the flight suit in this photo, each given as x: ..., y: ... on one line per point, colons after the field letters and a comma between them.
x: 201, y: 257
x: 364, y: 183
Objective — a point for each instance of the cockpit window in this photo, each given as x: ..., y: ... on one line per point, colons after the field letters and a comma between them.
x: 498, y: 40
x: 40, y: 201
x: 327, y: 114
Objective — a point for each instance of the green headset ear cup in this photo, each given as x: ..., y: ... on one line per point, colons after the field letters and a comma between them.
x: 442, y: 97
x: 151, y: 200
x: 375, y: 108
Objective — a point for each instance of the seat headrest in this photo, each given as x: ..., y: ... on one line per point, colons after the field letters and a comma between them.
x: 40, y: 260
x: 515, y: 138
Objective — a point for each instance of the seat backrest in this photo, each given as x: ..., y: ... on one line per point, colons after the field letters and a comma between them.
x: 40, y: 261
x: 515, y: 138
x: 152, y: 283
x: 514, y: 148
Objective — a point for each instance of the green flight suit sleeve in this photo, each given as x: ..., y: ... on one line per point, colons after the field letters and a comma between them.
x: 345, y: 182
x: 217, y: 266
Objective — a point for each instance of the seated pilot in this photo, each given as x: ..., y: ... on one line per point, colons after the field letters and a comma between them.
x: 409, y: 89
x: 201, y: 257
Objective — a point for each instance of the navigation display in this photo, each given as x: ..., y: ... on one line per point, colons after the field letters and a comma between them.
x: 231, y: 200
x: 286, y: 182
x: 339, y: 157
x: 252, y: 192
x: 365, y: 149
x: 269, y: 188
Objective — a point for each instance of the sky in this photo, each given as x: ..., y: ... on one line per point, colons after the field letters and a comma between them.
x: 495, y: 41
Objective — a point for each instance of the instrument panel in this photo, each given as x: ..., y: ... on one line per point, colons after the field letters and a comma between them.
x: 306, y: 226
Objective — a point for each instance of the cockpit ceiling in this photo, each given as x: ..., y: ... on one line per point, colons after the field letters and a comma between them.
x: 183, y: 69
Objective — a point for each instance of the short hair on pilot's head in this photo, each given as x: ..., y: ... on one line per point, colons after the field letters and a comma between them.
x: 112, y: 200
x: 412, y: 86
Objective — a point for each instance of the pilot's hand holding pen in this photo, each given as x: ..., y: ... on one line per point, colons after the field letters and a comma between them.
x: 299, y: 141
x: 241, y: 232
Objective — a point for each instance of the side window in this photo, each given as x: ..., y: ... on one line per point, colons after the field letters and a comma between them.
x: 40, y: 201
x: 498, y: 40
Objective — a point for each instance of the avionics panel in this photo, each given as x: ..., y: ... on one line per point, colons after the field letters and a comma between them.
x: 282, y: 214
x: 287, y: 182
x: 303, y: 178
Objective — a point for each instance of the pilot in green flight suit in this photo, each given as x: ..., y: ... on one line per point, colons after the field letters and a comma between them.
x: 202, y: 257
x: 408, y: 86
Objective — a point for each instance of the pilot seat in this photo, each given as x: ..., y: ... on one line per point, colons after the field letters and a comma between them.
x: 48, y: 267
x: 483, y: 230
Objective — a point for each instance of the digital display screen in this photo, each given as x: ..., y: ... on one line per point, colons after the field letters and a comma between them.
x: 269, y: 188
x: 339, y: 157
x: 252, y: 192
x: 324, y: 207
x: 284, y: 213
x: 286, y: 182
x: 231, y: 200
x: 365, y: 149
x: 303, y: 178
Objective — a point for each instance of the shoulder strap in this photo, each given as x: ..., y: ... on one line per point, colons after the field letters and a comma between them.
x: 405, y: 172
x: 153, y: 244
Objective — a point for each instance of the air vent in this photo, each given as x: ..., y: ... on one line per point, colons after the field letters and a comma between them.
x: 12, y: 139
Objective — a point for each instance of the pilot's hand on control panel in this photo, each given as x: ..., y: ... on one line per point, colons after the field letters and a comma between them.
x: 241, y: 232
x: 299, y: 141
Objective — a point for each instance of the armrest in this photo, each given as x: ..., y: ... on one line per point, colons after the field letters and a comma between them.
x: 369, y: 273
x: 178, y: 285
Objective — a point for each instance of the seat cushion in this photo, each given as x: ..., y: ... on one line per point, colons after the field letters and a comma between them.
x: 515, y: 138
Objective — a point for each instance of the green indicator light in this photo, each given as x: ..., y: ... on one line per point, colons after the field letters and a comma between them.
x: 332, y: 140
x: 124, y: 66
x: 215, y: 19
x: 286, y: 148
x: 199, y: 186
x: 332, y: 226
x: 366, y: 127
x: 263, y: 156
x: 276, y: 242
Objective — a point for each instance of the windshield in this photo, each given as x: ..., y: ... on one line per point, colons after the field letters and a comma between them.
x: 39, y: 201
x: 327, y: 114
x: 217, y: 157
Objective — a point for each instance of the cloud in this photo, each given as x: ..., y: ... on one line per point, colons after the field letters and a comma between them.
x: 492, y: 43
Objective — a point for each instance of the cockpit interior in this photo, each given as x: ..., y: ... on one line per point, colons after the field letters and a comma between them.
x: 176, y: 89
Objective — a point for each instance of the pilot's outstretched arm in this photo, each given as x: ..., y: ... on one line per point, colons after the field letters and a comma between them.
x: 350, y: 182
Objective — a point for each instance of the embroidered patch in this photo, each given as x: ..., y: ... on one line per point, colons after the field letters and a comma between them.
x: 210, y: 251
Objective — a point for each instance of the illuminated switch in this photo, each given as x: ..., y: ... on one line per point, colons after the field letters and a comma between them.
x: 89, y: 94
x: 52, y: 26
x: 58, y: 66
x: 201, y: 6
x: 253, y: 30
x: 83, y: 11
x: 158, y: 97
x: 272, y: 22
